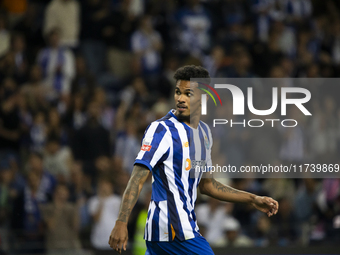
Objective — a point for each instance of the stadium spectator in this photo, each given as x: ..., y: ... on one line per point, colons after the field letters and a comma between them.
x: 168, y: 88
x: 328, y: 207
x: 81, y: 190
x: 38, y: 132
x: 27, y: 222
x: 147, y: 45
x: 84, y: 82
x: 5, y: 37
x: 19, y: 58
x: 263, y: 11
x: 241, y: 65
x: 297, y: 11
x: 61, y: 219
x: 211, y: 216
x: 107, y: 112
x: 75, y: 117
x: 30, y: 27
x: 103, y: 166
x: 57, y: 159
x: 104, y: 211
x: 127, y: 145
x: 264, y: 234
x: 135, y: 8
x: 57, y: 65
x: 95, y: 21
x: 286, y: 38
x: 215, y: 60
x: 10, y: 130
x: 119, y: 55
x: 35, y: 91
x: 137, y: 92
x: 79, y: 186
x: 47, y: 181
x: 233, y: 236
x: 64, y: 15
x: 305, y: 200
x: 285, y: 224
x: 193, y: 24
x: 55, y: 126
x: 92, y: 140
x: 17, y: 180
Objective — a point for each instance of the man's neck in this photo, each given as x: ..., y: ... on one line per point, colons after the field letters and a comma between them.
x: 192, y: 120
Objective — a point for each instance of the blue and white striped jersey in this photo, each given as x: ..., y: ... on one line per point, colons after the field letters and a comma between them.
x: 172, y: 150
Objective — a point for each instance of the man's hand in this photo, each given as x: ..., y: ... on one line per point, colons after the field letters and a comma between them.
x: 215, y: 189
x: 266, y: 205
x: 119, y: 236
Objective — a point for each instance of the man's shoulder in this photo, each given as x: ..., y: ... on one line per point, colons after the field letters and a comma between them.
x: 163, y: 122
x: 205, y: 126
x: 156, y: 124
x: 164, y: 119
x: 157, y: 128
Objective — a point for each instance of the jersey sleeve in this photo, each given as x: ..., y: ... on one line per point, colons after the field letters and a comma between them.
x: 155, y: 145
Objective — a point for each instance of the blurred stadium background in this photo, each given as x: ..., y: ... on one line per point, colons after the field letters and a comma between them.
x: 81, y: 80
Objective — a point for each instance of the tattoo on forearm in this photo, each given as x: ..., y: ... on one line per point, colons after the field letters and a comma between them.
x: 220, y: 187
x: 132, y: 192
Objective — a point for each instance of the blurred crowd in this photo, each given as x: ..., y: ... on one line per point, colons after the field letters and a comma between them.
x: 81, y: 80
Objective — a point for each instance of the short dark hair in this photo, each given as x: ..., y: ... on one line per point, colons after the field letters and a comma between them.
x: 188, y: 72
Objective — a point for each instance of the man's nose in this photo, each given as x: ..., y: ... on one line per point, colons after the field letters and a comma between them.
x: 181, y: 99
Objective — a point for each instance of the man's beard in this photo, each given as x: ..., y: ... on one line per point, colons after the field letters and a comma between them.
x: 183, y: 118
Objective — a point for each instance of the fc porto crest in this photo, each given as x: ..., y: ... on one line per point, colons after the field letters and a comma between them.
x: 206, y: 142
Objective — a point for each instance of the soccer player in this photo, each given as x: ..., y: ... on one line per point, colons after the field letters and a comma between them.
x: 171, y: 226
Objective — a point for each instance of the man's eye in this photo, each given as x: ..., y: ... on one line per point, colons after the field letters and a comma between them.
x: 178, y: 92
x: 189, y: 94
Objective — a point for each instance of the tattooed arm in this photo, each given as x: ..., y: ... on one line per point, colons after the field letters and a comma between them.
x: 119, y: 234
x: 215, y: 189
